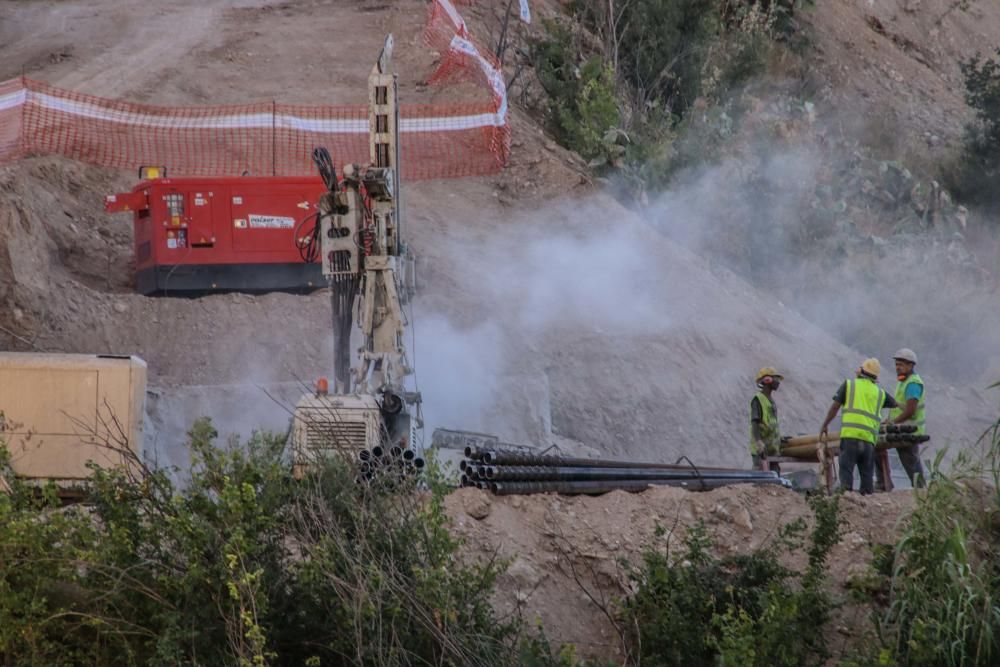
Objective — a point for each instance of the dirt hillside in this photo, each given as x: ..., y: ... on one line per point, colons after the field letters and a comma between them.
x: 892, y: 67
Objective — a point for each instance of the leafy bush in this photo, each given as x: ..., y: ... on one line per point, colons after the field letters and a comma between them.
x: 736, y: 610
x: 245, y: 565
x: 944, y: 591
x: 622, y: 79
x: 663, y: 47
x: 976, y: 176
x: 583, y: 105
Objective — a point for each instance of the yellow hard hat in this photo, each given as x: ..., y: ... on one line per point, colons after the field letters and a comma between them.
x: 769, y: 371
x: 871, y: 367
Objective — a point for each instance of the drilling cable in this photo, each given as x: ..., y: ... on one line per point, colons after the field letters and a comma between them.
x: 324, y: 164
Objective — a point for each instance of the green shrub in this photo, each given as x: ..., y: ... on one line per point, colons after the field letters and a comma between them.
x: 244, y: 565
x: 978, y: 172
x: 696, y: 608
x: 944, y: 595
x: 583, y: 105
x: 620, y: 86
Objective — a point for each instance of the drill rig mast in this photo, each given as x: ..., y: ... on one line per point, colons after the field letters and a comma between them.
x: 370, y: 272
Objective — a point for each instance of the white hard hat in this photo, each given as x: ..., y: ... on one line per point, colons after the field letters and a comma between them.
x: 906, y: 354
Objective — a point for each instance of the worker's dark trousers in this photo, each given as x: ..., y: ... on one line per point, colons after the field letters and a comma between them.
x: 910, y: 458
x: 861, y: 454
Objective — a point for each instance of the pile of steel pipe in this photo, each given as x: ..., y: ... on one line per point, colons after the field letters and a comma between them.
x: 393, y: 463
x: 506, y: 472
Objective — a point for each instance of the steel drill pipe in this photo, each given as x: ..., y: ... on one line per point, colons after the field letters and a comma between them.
x: 409, y: 455
x: 500, y: 457
x: 568, y: 473
x: 364, y: 455
x: 418, y: 463
x: 377, y: 452
x: 604, y: 486
x: 396, y: 452
x: 905, y: 439
x: 473, y: 453
x: 898, y: 428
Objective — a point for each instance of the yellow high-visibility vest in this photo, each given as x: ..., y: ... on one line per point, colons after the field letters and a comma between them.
x: 917, y: 418
x: 860, y: 413
x: 769, y: 432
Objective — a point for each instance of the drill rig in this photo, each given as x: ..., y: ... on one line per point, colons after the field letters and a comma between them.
x: 371, y: 275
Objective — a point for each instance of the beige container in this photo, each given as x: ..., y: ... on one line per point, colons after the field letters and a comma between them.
x: 60, y: 410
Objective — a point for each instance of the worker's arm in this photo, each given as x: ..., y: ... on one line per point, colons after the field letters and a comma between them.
x: 838, y: 400
x: 830, y: 414
x: 756, y: 421
x: 755, y: 429
x: 908, y: 410
x: 912, y: 401
x: 889, y: 404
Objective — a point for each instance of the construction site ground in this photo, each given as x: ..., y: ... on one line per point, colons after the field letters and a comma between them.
x: 546, y: 313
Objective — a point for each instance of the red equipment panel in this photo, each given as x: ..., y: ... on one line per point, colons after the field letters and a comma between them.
x: 199, y: 235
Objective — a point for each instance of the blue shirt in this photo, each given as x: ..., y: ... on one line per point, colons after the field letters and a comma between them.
x: 914, y: 391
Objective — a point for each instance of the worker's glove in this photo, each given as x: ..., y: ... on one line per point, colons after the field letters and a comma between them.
x: 785, y: 439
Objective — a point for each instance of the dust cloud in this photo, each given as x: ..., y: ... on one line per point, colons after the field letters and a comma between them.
x: 871, y: 280
x: 637, y: 332
x: 570, y: 270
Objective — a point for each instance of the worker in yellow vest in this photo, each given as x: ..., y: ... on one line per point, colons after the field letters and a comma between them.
x: 863, y: 401
x: 765, y: 436
x: 910, y: 397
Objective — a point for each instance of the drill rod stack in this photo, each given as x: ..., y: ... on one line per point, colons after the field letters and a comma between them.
x: 806, y: 447
x: 388, y: 463
x: 506, y: 472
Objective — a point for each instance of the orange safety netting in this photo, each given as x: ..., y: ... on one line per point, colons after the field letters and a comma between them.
x: 463, y: 58
x: 438, y: 141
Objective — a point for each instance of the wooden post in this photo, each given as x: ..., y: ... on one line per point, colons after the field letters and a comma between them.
x: 884, y: 470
